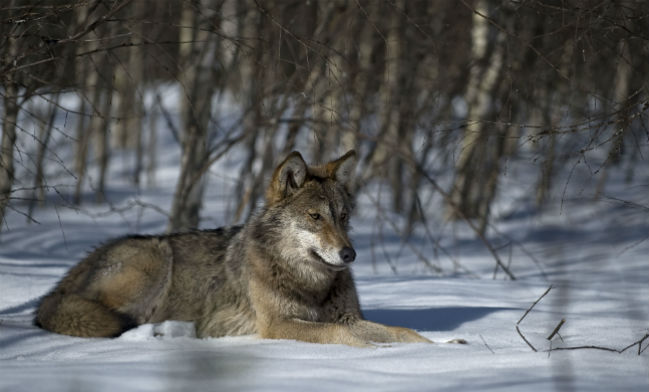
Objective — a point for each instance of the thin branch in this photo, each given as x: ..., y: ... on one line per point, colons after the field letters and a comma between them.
x: 640, y: 346
x: 614, y: 350
x: 638, y: 342
x: 486, y: 345
x: 584, y: 348
x: 512, y: 35
x: 459, y: 213
x: 96, y: 22
x: 556, y: 329
x: 524, y: 339
x: 534, y: 304
x: 628, y: 203
x: 404, y: 237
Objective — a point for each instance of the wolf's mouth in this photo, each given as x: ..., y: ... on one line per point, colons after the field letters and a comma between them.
x: 319, y: 258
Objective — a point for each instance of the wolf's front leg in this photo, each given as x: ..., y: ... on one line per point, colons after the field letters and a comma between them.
x: 379, y: 333
x: 313, y: 332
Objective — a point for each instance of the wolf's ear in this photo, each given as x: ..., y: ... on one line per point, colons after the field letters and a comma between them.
x: 342, y: 169
x: 288, y: 177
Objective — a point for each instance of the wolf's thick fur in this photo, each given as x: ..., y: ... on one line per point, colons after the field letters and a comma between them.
x: 282, y: 275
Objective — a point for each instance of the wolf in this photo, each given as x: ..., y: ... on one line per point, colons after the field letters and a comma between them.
x: 284, y: 274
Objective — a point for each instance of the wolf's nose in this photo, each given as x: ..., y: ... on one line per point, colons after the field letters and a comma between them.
x: 347, y: 254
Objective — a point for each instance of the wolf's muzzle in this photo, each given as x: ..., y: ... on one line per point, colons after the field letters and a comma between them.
x: 347, y: 254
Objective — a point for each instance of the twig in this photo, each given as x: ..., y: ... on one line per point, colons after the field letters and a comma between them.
x: 639, y: 343
x: 556, y: 329
x: 614, y: 350
x: 486, y: 345
x: 94, y: 24
x: 510, y: 34
x: 534, y: 304
x: 525, y: 340
x: 456, y: 209
x: 585, y: 347
x: 520, y: 246
x: 525, y: 314
x: 628, y: 203
x: 132, y: 203
x: 403, y: 236
x: 462, y: 216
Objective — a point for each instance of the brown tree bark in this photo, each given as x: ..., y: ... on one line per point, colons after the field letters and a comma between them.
x: 8, y: 142
x: 129, y: 77
x: 90, y: 93
x: 197, y: 53
x: 44, y: 134
x: 9, y: 123
x: 382, y: 160
x: 466, y: 192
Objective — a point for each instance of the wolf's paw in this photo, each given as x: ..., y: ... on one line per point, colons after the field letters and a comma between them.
x: 164, y: 330
x: 407, y: 335
x: 457, y: 341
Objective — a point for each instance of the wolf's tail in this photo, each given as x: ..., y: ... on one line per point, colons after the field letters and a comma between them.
x: 71, y: 314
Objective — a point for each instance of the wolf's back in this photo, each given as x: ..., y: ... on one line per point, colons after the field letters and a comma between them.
x: 135, y: 280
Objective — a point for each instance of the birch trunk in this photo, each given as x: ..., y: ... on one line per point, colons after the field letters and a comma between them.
x: 467, y: 186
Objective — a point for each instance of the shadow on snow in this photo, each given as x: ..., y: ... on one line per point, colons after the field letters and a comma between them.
x: 431, y: 319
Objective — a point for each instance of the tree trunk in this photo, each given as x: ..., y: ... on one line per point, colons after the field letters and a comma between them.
x: 197, y: 51
x: 361, y: 79
x: 550, y: 119
x: 466, y: 192
x: 622, y: 80
x: 250, y: 70
x: 9, y: 122
x: 100, y: 126
x: 45, y: 132
x: 328, y: 92
x: 90, y: 92
x: 383, y: 161
x: 129, y: 79
x: 136, y: 68
x: 8, y: 142
x: 152, y: 145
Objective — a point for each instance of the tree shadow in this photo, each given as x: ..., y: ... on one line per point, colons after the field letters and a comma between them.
x: 431, y: 319
x: 19, y: 309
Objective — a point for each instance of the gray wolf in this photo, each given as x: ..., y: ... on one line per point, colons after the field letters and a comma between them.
x: 284, y: 274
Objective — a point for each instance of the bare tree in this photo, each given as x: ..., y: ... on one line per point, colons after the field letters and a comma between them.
x: 485, y: 71
x: 198, y: 86
x: 44, y: 135
x: 90, y: 93
x: 10, y: 118
x: 418, y: 88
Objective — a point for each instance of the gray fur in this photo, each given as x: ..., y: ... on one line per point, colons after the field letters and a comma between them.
x: 277, y: 276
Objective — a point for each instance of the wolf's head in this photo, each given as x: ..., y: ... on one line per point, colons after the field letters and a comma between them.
x: 307, y: 212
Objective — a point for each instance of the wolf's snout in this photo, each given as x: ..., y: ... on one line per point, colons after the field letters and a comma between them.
x: 347, y: 254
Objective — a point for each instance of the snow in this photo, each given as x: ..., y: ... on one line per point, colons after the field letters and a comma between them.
x: 593, y: 253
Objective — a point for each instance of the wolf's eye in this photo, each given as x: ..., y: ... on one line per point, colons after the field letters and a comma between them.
x: 314, y: 215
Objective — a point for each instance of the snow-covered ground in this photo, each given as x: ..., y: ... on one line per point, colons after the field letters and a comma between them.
x: 595, y: 254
